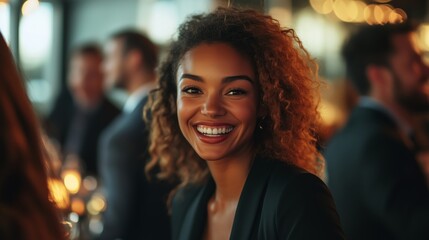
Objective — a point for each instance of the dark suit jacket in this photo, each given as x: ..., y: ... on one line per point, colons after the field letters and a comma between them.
x: 377, y: 185
x: 136, y: 208
x: 59, y: 127
x: 278, y: 201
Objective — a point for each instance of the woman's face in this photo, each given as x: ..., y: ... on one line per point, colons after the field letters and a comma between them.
x: 217, y: 101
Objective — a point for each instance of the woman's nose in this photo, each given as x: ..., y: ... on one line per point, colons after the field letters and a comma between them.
x: 213, y: 106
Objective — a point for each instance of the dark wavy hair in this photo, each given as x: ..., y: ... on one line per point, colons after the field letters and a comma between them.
x: 287, y: 85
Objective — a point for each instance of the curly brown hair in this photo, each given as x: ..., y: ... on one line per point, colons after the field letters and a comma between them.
x: 287, y: 84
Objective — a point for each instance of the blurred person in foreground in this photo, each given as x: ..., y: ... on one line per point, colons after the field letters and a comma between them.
x: 234, y: 120
x: 373, y: 173
x: 77, y: 124
x: 136, y: 207
x: 26, y: 211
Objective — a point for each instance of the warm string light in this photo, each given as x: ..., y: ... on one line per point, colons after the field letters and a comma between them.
x: 359, y: 11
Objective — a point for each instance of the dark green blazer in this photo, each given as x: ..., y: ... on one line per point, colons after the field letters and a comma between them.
x: 278, y: 201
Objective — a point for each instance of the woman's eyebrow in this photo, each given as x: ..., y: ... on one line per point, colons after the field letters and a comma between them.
x: 238, y: 77
x: 224, y: 80
x: 192, y: 77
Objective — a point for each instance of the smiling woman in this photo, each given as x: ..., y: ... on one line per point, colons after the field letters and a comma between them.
x: 233, y: 120
x: 217, y: 102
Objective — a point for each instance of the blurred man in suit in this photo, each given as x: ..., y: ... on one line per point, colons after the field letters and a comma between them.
x: 373, y: 174
x: 76, y: 123
x: 136, y: 207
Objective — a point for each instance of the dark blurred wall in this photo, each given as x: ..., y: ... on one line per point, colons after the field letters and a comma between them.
x: 416, y: 9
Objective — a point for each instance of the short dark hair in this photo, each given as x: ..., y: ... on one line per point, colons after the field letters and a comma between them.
x: 370, y: 45
x: 135, y: 40
x: 90, y: 48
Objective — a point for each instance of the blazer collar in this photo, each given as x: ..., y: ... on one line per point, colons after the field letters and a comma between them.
x: 195, y: 219
x: 248, y: 209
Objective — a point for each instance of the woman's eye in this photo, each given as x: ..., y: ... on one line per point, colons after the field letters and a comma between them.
x: 236, y: 92
x: 191, y: 90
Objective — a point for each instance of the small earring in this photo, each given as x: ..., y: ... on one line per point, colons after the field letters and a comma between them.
x: 260, y: 124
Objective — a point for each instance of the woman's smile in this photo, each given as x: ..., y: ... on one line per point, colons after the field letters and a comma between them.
x: 214, y: 131
x: 213, y: 134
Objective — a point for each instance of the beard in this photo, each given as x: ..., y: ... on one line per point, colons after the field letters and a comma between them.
x: 119, y: 83
x: 414, y: 100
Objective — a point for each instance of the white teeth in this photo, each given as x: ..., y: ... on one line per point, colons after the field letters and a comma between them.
x: 215, y: 131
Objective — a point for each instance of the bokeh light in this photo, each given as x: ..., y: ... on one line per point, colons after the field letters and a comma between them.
x: 96, y: 204
x: 322, y: 6
x: 358, y: 11
x: 72, y: 180
x: 78, y: 206
x: 29, y: 6
x: 397, y: 16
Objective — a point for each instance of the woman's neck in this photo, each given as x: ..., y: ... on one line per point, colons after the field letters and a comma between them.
x: 229, y: 177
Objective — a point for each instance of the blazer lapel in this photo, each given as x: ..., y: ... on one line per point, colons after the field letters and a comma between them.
x: 195, y: 220
x: 251, y: 199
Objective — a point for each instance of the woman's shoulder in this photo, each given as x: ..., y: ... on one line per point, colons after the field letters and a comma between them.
x: 295, y: 199
x: 287, y: 179
x: 285, y: 174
